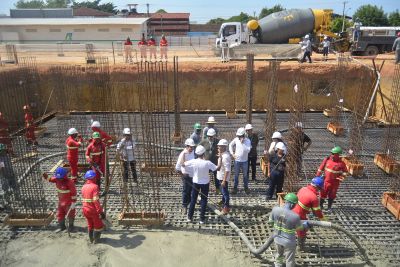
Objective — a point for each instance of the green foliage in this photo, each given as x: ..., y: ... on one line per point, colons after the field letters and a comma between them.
x: 267, y: 11
x: 107, y: 7
x: 216, y: 21
x: 370, y: 15
x: 336, y: 25
x: 58, y: 3
x: 161, y: 11
x: 30, y: 4
x: 394, y: 18
x: 242, y: 17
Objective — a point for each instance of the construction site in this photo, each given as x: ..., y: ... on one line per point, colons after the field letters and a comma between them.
x: 348, y: 102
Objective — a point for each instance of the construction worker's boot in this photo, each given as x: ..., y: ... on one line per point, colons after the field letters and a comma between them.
x: 321, y: 203
x: 91, y: 237
x: 61, y: 225
x: 71, y: 224
x: 330, y: 203
x: 96, y: 237
x: 302, y: 243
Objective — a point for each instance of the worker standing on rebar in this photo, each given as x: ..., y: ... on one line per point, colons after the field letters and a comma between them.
x: 128, y: 50
x: 210, y: 144
x: 92, y: 209
x: 4, y: 134
x: 196, y: 135
x: 105, y: 138
x: 201, y: 181
x: 126, y: 152
x: 210, y: 125
x: 73, y: 142
x: 285, y: 223
x: 253, y: 151
x: 143, y: 48
x: 151, y: 43
x: 303, y: 142
x: 163, y: 48
x: 224, y: 173
x: 396, y: 48
x: 334, y: 171
x: 186, y: 173
x: 306, y: 46
x: 276, y: 138
x: 276, y: 170
x: 308, y: 202
x: 95, y: 155
x: 325, y: 48
x: 8, y: 180
x: 66, y: 197
x: 29, y: 126
x: 239, y: 148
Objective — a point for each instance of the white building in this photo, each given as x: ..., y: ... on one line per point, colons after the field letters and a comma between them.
x: 28, y: 30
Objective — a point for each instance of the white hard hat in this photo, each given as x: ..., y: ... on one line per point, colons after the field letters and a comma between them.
x: 326, y: 37
x: 307, y: 36
x: 241, y: 131
x: 280, y: 146
x: 200, y: 150
x: 96, y: 124
x: 211, y: 119
x: 72, y: 131
x: 222, y: 142
x: 211, y: 132
x: 126, y: 131
x: 276, y: 135
x: 248, y: 127
x: 299, y: 124
x: 189, y: 142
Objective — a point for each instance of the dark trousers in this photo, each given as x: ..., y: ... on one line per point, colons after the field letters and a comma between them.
x: 253, y: 165
x: 203, y: 188
x: 308, y: 55
x: 126, y: 165
x: 325, y: 51
x: 276, y: 181
x: 217, y: 183
x: 187, y: 183
x: 225, y: 195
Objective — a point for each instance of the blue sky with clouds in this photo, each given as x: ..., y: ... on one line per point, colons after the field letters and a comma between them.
x: 204, y: 10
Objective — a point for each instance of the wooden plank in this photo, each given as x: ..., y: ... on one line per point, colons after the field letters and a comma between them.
x: 20, y: 219
x: 389, y: 201
x: 58, y: 164
x: 141, y: 218
x: 26, y: 156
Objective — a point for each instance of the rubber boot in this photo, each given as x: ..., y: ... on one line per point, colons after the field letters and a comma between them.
x: 321, y: 203
x: 96, y: 237
x: 71, y: 224
x: 61, y: 225
x: 330, y: 202
x: 302, y: 243
x: 91, y: 238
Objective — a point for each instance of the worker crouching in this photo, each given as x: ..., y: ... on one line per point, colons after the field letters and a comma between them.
x: 92, y: 209
x: 66, y: 197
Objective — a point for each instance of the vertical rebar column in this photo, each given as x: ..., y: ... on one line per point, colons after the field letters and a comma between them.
x: 272, y: 95
x: 177, y: 105
x: 250, y: 82
x: 337, y: 95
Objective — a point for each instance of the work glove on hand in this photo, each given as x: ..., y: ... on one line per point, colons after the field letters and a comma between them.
x: 45, y: 176
x: 73, y: 206
x: 102, y: 215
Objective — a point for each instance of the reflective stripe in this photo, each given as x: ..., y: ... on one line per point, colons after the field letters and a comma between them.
x: 95, y: 198
x: 63, y: 191
x: 289, y: 231
x: 303, y: 206
x: 87, y: 200
x: 72, y: 147
x: 333, y: 171
x: 99, y: 230
x: 73, y: 197
x: 316, y: 208
x: 72, y: 177
x: 96, y: 153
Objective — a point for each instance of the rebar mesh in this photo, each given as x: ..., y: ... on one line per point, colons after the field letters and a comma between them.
x: 272, y: 95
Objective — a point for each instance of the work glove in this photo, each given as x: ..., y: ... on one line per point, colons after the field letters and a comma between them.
x: 102, y: 215
x: 73, y: 205
x: 45, y: 176
x: 306, y: 225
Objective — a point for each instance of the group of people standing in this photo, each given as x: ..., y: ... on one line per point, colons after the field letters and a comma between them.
x: 146, y: 46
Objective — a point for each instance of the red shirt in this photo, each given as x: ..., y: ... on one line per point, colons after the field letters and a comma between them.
x: 332, y: 169
x: 66, y: 190
x: 28, y: 118
x: 142, y: 43
x: 151, y: 42
x: 163, y: 42
x: 96, y: 152
x: 105, y: 138
x: 72, y: 148
x: 308, y: 202
x: 128, y: 43
x: 90, y: 197
x: 3, y: 128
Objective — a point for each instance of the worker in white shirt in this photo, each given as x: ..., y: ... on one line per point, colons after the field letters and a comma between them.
x: 239, y: 149
x: 223, y: 173
x: 126, y: 152
x: 201, y: 181
x: 186, y: 173
x: 276, y: 138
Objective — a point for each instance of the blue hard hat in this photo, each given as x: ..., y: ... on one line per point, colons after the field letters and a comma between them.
x: 90, y: 174
x: 318, y: 181
x: 60, y: 173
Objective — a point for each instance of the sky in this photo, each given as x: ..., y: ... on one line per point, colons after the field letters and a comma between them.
x: 204, y: 10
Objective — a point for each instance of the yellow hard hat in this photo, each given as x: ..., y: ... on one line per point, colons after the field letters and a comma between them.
x: 252, y: 24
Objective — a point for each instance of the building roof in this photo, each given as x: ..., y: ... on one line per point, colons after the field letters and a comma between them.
x: 41, y: 13
x: 71, y: 21
x: 161, y: 15
x: 90, y: 12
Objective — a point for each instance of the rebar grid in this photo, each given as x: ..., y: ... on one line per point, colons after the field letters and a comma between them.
x: 272, y: 96
x: 337, y: 94
x: 177, y: 106
x: 12, y: 55
x: 250, y: 86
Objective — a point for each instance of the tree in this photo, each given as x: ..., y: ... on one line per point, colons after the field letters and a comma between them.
x: 370, y: 15
x: 266, y: 11
x: 57, y: 3
x: 161, y: 11
x: 394, y: 18
x: 242, y: 17
x: 336, y: 24
x: 216, y: 21
x: 30, y: 4
x: 107, y: 7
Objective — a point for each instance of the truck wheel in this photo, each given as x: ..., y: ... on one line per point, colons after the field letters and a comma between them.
x: 371, y: 51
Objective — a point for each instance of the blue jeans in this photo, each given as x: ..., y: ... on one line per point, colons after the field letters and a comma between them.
x: 276, y: 181
x: 203, y: 188
x: 225, y: 195
x: 187, y: 183
x: 241, y: 166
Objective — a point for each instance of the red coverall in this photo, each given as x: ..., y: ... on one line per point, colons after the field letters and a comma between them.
x: 95, y: 153
x: 333, y: 169
x: 163, y: 47
x: 66, y: 196
x: 30, y: 127
x: 91, y: 206
x: 105, y: 138
x: 73, y: 155
x: 152, y: 48
x: 143, y: 49
x: 308, y: 202
x: 4, y: 134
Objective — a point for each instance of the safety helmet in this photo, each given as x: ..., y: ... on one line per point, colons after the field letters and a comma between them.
x: 248, y: 127
x: 26, y: 107
x: 90, y: 174
x: 1, y: 114
x: 336, y: 150
x: 96, y: 124
x: 197, y: 126
x: 276, y: 135
x: 398, y: 34
x: 299, y: 124
x: 318, y: 182
x: 211, y: 132
x: 222, y: 142
x: 2, y: 147
x: 189, y: 142
x: 211, y: 119
x: 60, y: 173
x: 96, y: 135
x: 72, y: 131
x: 200, y: 150
x: 307, y: 36
x: 280, y: 146
x: 126, y: 131
x: 291, y: 197
x: 326, y: 38
x: 240, y: 132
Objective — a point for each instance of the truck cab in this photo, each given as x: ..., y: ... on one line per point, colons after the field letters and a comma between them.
x: 234, y: 33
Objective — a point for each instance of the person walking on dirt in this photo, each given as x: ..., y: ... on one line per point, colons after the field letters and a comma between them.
x: 253, y: 151
x: 396, y: 48
x: 126, y: 152
x: 276, y: 170
x: 128, y: 50
x: 306, y: 46
x: 224, y: 173
x: 73, y: 142
x: 210, y: 145
x: 95, y: 156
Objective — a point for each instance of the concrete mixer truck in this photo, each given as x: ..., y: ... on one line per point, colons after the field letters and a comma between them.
x: 283, y: 27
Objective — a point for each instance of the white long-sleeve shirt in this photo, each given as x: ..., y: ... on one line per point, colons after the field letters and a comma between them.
x: 201, y: 168
x: 188, y: 156
x: 239, y: 149
x: 225, y: 161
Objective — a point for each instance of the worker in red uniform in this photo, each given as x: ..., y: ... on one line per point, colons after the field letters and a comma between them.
x: 151, y: 43
x: 29, y: 126
x: 105, y: 138
x: 92, y: 209
x: 128, y: 50
x: 73, y: 142
x: 95, y: 155
x: 4, y: 134
x: 66, y: 197
x: 334, y: 170
x: 143, y: 48
x: 308, y: 202
x: 163, y: 47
